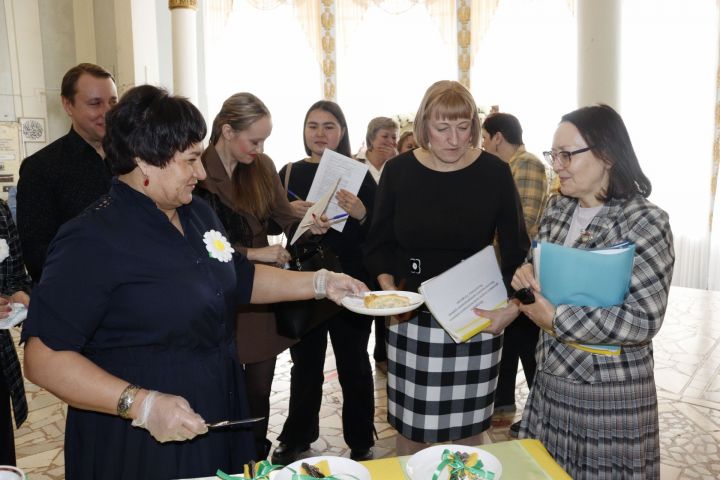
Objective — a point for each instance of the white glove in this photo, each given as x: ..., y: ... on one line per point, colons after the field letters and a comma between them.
x: 335, y: 286
x: 169, y: 418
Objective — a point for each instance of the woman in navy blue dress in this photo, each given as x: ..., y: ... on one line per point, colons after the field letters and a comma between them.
x: 133, y: 322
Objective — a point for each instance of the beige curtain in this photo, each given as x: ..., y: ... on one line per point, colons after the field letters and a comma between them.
x: 308, y: 14
x: 714, y: 273
x: 481, y: 15
x: 351, y: 12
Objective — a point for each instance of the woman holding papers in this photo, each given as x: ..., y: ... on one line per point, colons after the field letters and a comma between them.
x: 436, y: 206
x: 325, y: 128
x: 243, y: 188
x: 598, y: 414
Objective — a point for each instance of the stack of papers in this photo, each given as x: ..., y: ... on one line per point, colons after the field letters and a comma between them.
x: 451, y: 296
x: 585, y: 277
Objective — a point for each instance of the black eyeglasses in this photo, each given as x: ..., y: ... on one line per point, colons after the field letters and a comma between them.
x: 562, y: 156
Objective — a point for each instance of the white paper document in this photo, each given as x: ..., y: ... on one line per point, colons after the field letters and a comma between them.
x: 318, y: 208
x: 335, y: 167
x: 474, y: 282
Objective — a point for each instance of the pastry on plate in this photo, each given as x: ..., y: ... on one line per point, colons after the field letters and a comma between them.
x: 389, y: 300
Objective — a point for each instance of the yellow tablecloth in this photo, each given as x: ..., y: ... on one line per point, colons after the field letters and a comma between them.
x: 521, y: 459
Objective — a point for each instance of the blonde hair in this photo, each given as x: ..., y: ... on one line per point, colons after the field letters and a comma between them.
x: 239, y: 111
x: 377, y: 124
x: 449, y: 100
x: 253, y: 184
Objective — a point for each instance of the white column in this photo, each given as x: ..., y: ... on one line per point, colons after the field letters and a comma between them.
x: 598, y: 52
x: 184, y: 48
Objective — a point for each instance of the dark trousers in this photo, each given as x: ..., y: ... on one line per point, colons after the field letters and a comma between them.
x: 380, y: 351
x: 258, y: 384
x: 7, y: 439
x: 519, y: 343
x: 349, y: 334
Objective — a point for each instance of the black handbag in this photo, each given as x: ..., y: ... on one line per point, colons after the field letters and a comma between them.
x: 295, y: 319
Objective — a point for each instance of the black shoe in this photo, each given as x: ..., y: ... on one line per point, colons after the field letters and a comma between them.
x: 514, y: 430
x: 361, y: 454
x: 286, y: 454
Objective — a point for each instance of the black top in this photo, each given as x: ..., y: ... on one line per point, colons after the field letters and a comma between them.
x: 348, y: 244
x: 124, y: 288
x: 55, y: 185
x: 427, y: 221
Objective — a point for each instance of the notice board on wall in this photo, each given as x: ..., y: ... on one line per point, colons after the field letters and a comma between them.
x: 9, y: 156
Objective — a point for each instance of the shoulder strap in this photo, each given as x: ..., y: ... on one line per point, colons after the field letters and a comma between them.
x: 287, y: 176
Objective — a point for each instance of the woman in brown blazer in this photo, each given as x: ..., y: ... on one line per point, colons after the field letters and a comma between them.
x: 244, y: 189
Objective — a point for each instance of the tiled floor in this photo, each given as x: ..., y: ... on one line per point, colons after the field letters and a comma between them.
x: 687, y: 370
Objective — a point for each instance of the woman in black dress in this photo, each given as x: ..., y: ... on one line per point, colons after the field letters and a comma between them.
x: 436, y: 206
x: 133, y: 322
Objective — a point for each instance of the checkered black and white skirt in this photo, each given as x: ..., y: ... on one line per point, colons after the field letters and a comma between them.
x: 439, y: 390
x: 605, y: 430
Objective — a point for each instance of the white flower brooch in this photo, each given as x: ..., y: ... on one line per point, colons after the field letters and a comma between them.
x: 217, y: 246
x: 4, y: 250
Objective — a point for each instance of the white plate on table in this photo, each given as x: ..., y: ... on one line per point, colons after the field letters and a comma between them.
x: 340, y: 467
x: 356, y: 304
x: 17, y: 315
x: 423, y: 464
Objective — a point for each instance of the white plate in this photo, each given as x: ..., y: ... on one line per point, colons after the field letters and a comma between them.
x: 355, y: 304
x: 340, y: 467
x: 17, y: 315
x: 423, y: 464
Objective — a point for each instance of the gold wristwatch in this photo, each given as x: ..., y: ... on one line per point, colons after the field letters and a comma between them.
x: 126, y: 400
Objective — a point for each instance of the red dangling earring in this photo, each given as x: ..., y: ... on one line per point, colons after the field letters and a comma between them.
x: 146, y: 182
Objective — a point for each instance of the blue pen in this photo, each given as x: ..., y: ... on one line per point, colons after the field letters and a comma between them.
x: 339, y: 216
x: 295, y: 195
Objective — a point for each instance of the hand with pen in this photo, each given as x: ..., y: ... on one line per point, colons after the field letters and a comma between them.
x: 351, y: 204
x: 299, y: 206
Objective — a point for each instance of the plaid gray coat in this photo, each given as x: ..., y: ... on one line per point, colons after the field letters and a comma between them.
x: 632, y: 324
x: 12, y: 279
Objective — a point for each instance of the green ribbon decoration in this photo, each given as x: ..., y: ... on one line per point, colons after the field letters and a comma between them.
x: 458, y: 467
x: 263, y: 471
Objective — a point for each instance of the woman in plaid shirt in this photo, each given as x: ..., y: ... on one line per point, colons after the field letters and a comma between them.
x: 14, y: 283
x: 598, y: 414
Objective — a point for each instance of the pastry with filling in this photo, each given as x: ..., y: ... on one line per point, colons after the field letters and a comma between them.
x: 388, y: 300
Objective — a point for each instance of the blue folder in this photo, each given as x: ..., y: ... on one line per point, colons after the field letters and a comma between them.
x: 586, y: 277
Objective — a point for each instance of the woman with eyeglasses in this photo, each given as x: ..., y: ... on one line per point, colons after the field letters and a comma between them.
x: 598, y: 414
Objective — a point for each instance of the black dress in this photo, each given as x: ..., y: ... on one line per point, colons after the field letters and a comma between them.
x: 124, y: 288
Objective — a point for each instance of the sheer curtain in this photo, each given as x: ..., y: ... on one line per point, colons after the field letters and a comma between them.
x: 669, y: 88
x: 525, y: 63
x: 265, y: 48
x: 388, y: 60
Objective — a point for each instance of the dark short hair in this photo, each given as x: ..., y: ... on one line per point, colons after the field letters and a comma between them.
x: 445, y: 99
x: 506, y: 124
x: 335, y: 110
x: 68, y: 88
x: 150, y: 124
x: 604, y: 130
